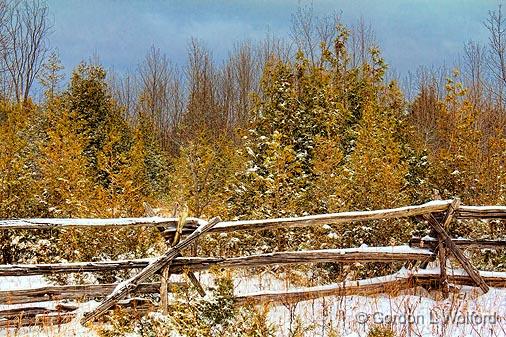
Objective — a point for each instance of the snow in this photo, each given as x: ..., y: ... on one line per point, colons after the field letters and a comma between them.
x: 461, y: 272
x: 28, y: 282
x: 411, y: 313
x: 402, y: 249
x: 21, y: 282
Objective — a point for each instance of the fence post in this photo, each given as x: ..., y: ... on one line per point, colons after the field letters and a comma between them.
x: 128, y: 286
x: 164, y: 291
x: 165, y: 275
x: 443, y: 278
x: 457, y: 253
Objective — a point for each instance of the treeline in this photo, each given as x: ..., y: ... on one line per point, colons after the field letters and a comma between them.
x: 312, y: 124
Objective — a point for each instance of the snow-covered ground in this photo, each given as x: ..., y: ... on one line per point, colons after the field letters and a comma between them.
x: 467, y: 314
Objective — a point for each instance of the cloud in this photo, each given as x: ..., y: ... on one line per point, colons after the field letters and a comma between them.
x: 120, y: 32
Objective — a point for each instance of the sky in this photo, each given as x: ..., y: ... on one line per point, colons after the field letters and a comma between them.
x: 410, y: 33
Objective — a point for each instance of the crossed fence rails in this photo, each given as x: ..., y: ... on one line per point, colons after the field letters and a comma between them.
x: 440, y: 246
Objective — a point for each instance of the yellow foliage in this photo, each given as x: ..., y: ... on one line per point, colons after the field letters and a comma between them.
x: 66, y: 185
x: 18, y: 195
x: 465, y: 162
x: 201, y: 174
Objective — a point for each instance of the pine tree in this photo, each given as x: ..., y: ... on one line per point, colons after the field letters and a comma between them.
x: 122, y: 160
x: 201, y: 173
x: 457, y: 169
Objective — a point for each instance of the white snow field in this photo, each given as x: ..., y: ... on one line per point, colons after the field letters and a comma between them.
x: 468, y: 313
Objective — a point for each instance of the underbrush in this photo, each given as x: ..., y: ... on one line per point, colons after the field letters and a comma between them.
x: 188, y: 315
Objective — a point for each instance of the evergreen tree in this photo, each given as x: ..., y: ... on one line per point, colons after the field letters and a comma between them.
x: 89, y: 101
x: 66, y: 184
x: 19, y: 196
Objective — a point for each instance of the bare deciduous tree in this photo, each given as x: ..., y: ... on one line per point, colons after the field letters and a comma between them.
x: 240, y: 78
x: 23, y: 44
x: 125, y: 90
x: 473, y: 67
x: 201, y: 78
x: 161, y: 100
x: 361, y: 40
x: 308, y: 31
x: 496, y: 25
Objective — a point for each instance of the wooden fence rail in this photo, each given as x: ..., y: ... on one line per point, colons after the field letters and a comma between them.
x: 431, y: 243
x: 438, y: 213
x: 231, y: 226
x: 180, y: 264
x: 73, y: 292
x: 463, y: 212
x: 391, y: 284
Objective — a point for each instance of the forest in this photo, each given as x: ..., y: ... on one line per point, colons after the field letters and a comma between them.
x: 310, y: 124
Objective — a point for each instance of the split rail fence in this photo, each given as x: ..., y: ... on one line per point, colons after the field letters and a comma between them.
x: 22, y: 310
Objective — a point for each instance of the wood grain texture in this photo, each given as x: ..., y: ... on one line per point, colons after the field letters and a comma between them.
x: 131, y: 284
x: 73, y: 292
x: 93, y: 223
x: 459, y: 255
x: 386, y: 284
x: 230, y: 226
x: 431, y: 243
x: 180, y: 264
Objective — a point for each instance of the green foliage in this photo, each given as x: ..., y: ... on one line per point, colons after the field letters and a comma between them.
x: 295, y: 112
x: 95, y: 116
x: 66, y: 186
x: 327, y: 138
x: 92, y: 163
x: 214, y: 315
x: 324, y: 136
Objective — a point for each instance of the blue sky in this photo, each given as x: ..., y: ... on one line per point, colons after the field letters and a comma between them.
x: 410, y: 33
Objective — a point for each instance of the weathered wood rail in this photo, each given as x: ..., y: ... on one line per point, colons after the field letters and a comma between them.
x: 438, y: 214
x: 179, y: 264
x: 463, y: 212
x: 391, y: 284
x: 73, y: 292
x: 431, y: 243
